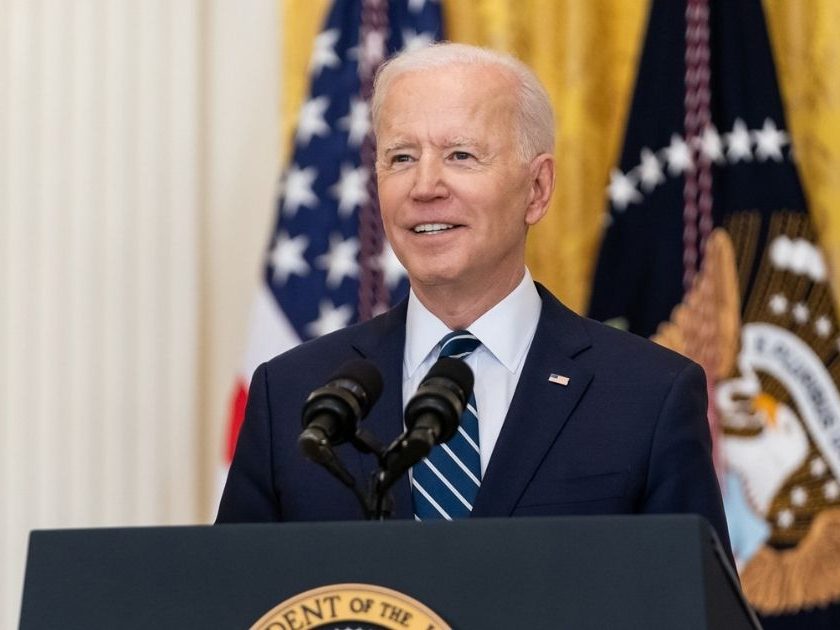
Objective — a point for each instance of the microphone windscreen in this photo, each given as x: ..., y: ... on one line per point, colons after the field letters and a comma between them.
x: 454, y: 370
x: 365, y: 374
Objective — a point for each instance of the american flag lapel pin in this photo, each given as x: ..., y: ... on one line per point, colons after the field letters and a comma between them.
x: 559, y: 379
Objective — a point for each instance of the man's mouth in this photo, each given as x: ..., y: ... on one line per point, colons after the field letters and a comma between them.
x: 432, y: 228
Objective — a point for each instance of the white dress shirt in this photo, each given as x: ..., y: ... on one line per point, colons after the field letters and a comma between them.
x: 505, y: 332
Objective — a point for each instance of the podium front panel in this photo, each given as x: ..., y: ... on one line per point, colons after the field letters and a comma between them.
x: 574, y: 572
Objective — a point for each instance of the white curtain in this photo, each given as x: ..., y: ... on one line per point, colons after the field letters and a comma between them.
x: 138, y: 156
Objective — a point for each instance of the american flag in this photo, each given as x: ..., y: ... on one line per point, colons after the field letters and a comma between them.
x: 327, y: 264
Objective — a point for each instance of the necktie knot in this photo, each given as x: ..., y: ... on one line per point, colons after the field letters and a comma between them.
x: 458, y: 344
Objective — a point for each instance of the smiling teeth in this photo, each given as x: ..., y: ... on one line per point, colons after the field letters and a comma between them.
x: 433, y: 227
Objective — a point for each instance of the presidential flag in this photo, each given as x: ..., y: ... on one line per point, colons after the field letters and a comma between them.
x: 708, y: 247
x: 327, y: 264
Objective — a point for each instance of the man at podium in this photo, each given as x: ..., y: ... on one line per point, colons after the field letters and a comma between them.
x: 568, y: 416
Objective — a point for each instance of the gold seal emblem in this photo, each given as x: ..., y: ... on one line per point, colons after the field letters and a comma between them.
x: 350, y: 607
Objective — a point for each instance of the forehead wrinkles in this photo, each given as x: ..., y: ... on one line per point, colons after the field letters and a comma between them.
x: 461, y: 105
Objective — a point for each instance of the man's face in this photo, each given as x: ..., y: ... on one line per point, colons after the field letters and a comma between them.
x: 456, y: 198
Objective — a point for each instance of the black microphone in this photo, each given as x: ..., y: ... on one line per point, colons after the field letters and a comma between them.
x: 331, y: 412
x: 431, y: 416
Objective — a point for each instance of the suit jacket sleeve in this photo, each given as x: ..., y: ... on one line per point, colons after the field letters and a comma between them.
x: 249, y: 494
x: 681, y: 476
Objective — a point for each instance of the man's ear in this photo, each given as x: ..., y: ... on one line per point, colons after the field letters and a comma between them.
x: 541, y: 172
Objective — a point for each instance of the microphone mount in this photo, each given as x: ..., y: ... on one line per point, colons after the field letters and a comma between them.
x: 332, y: 412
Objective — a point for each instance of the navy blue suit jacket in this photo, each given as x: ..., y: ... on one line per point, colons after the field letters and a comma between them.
x: 628, y: 434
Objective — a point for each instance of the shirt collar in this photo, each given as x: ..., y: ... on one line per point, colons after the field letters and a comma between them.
x: 505, y: 330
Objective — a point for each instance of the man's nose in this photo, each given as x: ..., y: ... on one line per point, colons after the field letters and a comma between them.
x: 428, y: 180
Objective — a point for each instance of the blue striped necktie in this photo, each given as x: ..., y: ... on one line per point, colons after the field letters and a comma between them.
x: 445, y: 484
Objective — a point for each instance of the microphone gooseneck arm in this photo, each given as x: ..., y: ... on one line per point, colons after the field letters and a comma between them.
x: 432, y: 417
x: 331, y: 415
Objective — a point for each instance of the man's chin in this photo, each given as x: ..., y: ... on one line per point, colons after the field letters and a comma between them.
x: 434, y: 279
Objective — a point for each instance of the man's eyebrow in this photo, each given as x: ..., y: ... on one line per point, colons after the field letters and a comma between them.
x: 448, y: 143
x: 461, y: 141
x: 396, y: 145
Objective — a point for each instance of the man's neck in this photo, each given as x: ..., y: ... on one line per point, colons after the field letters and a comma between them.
x: 459, y: 305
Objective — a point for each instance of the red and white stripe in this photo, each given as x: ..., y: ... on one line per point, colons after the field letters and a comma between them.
x: 269, y: 334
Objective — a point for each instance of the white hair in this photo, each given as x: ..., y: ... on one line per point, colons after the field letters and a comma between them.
x: 535, y: 114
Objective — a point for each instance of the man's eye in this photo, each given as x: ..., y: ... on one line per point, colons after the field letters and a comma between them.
x: 400, y: 157
x: 461, y: 155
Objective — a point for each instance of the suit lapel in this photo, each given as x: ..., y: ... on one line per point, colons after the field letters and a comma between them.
x: 536, y: 416
x: 539, y: 409
x: 383, y: 342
